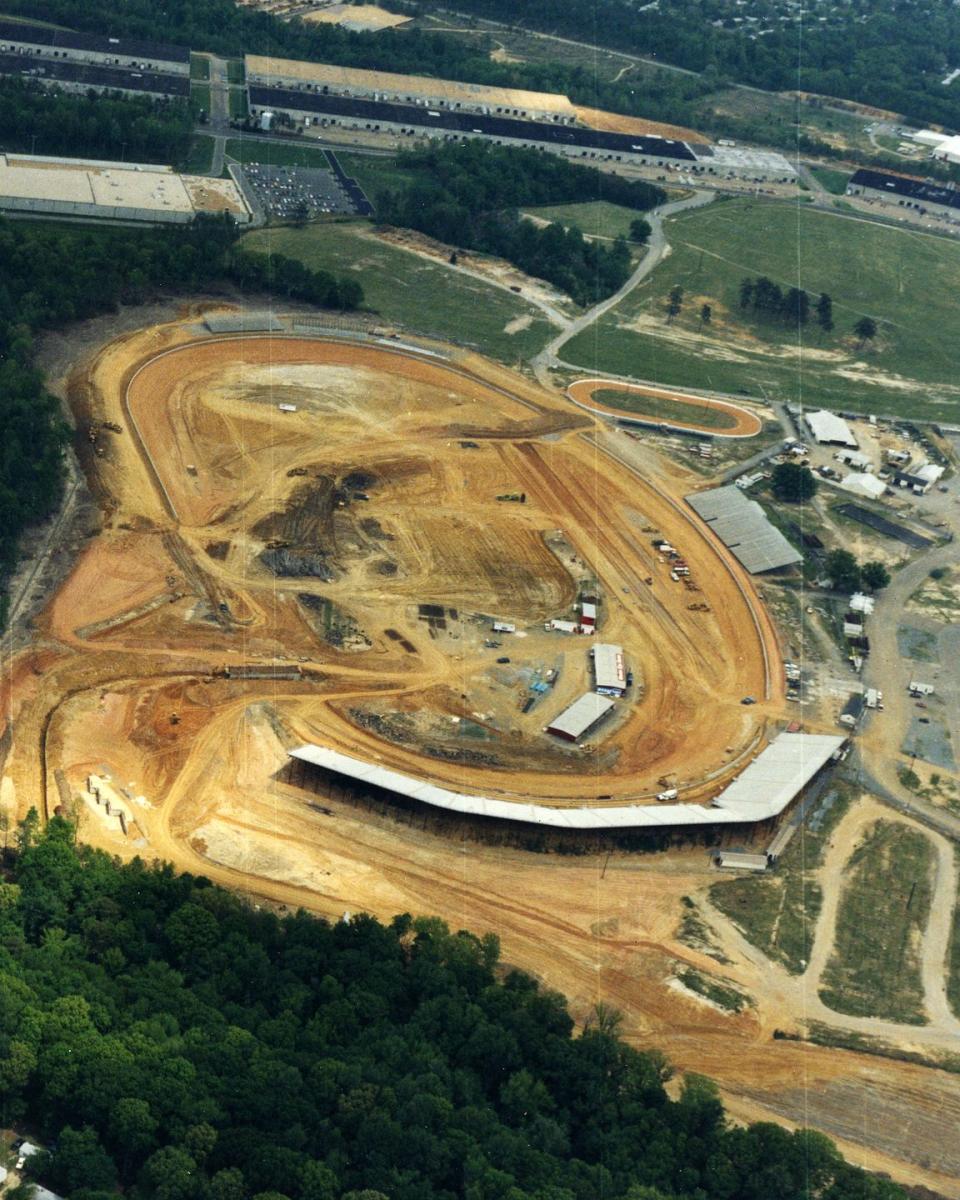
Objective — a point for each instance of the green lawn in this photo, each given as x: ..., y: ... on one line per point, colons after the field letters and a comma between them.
x: 274, y: 153
x: 778, y: 912
x: 833, y: 181
x: 665, y: 410
x: 596, y: 219
x: 907, y: 281
x: 199, y: 156
x: 237, y: 103
x: 199, y: 67
x: 884, y: 906
x: 235, y: 71
x: 200, y: 96
x: 428, y: 297
x: 376, y: 174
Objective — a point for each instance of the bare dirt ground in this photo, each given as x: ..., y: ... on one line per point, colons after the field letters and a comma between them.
x: 596, y: 118
x: 127, y: 675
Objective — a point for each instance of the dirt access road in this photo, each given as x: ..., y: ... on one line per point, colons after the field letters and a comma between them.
x: 208, y: 478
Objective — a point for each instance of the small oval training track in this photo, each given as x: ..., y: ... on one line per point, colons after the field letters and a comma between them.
x: 746, y: 424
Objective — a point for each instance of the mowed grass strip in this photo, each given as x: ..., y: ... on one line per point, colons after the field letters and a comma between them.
x: 875, y: 967
x: 274, y: 153
x: 662, y: 409
x: 834, y: 181
x: 904, y: 280
x: 411, y: 290
x: 778, y: 912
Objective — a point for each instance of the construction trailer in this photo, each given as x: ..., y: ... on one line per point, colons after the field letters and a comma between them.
x: 920, y: 689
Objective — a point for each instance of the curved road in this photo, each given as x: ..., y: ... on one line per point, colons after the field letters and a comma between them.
x: 657, y: 248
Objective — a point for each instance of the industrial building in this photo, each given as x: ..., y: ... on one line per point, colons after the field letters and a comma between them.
x: 742, y: 526
x: 761, y: 792
x: 581, y: 717
x: 419, y: 90
x: 312, y: 94
x: 865, y: 484
x: 828, y: 429
x: 71, y: 187
x: 921, y: 195
x: 609, y: 669
x: 40, y: 42
x: 83, y: 77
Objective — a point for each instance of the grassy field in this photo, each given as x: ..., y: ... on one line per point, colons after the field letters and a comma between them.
x: 200, y: 155
x: 275, y: 153
x: 375, y: 173
x: 903, y: 279
x: 665, y: 410
x: 200, y: 96
x: 199, y: 67
x: 237, y: 103
x: 833, y: 181
x: 403, y: 287
x: 235, y: 71
x: 778, y: 912
x: 596, y: 219
x: 875, y: 967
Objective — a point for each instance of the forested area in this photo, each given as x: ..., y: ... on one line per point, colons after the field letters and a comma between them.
x: 163, y: 1037
x: 468, y: 195
x: 36, y: 119
x: 892, y: 54
x: 53, y: 274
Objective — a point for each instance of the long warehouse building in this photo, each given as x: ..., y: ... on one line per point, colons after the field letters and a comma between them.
x: 609, y: 669
x: 42, y: 42
x: 743, y: 527
x: 761, y: 792
x: 86, y: 77
x: 409, y: 89
x: 580, y: 717
x: 321, y: 109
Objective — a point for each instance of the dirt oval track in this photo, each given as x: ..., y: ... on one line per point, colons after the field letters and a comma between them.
x: 744, y: 423
x: 382, y: 476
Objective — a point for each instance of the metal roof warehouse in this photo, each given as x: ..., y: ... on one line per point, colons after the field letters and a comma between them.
x: 763, y: 790
x: 81, y: 76
x: 410, y: 89
x: 412, y: 116
x: 742, y: 526
x: 577, y: 720
x: 609, y: 670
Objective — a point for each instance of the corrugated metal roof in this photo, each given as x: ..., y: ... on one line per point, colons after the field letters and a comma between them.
x: 581, y: 715
x: 243, y: 322
x: 609, y: 670
x: 742, y: 525
x: 828, y: 427
x: 763, y: 790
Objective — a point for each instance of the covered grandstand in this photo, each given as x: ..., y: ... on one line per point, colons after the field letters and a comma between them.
x: 762, y: 791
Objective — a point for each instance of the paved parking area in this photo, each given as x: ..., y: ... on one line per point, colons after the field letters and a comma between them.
x: 292, y: 192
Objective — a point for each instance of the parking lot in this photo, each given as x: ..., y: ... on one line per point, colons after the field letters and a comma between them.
x: 297, y: 192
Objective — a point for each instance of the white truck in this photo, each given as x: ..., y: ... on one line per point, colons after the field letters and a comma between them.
x: 873, y: 698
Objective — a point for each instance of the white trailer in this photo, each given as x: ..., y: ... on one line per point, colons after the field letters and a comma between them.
x: 920, y: 689
x: 873, y: 698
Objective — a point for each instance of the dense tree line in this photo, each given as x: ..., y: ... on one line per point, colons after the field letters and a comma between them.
x: 167, y: 1039
x: 467, y: 194
x: 37, y: 119
x: 50, y: 275
x: 892, y: 54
